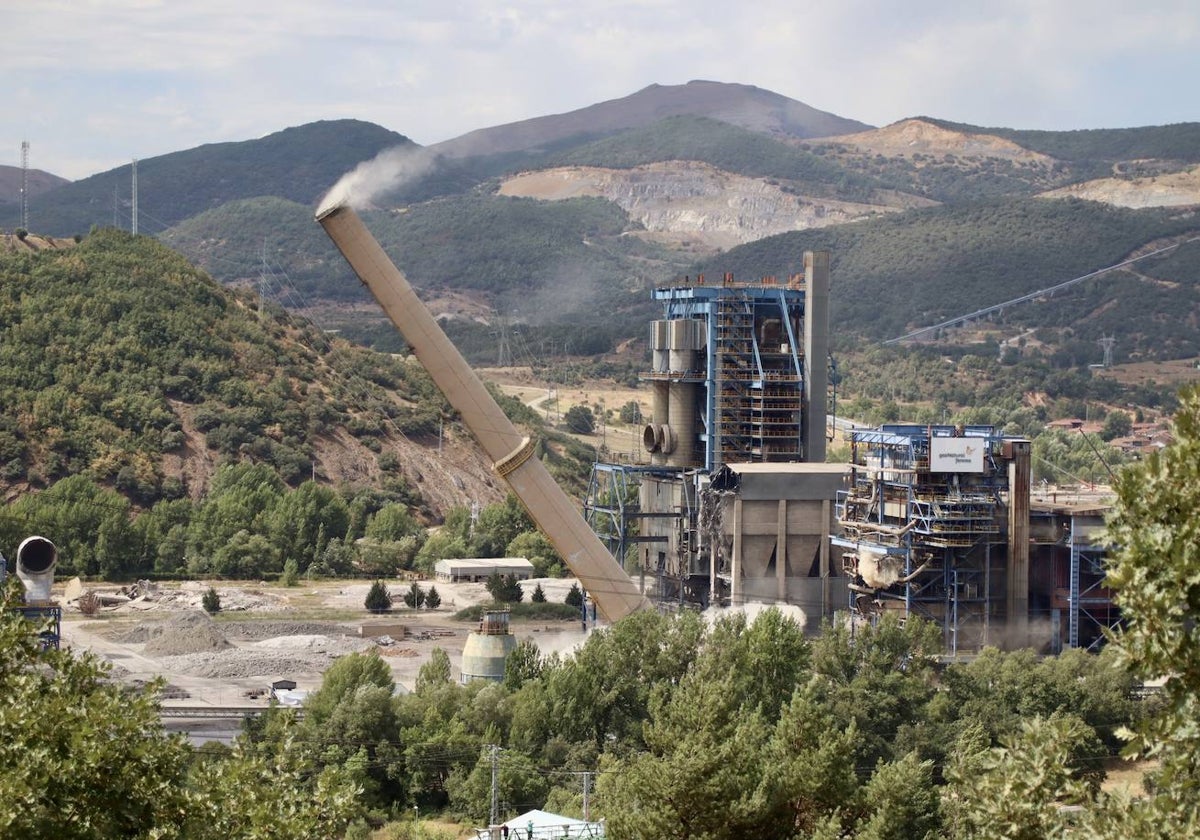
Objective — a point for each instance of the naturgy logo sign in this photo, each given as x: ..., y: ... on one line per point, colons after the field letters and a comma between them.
x: 955, y: 454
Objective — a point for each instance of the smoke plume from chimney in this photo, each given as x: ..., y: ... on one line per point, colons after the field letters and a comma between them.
x: 388, y: 170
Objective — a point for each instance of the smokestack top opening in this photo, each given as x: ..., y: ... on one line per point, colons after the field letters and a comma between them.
x: 36, y: 555
x: 325, y: 211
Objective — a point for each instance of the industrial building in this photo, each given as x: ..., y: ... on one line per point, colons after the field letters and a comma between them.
x: 736, y: 503
x: 935, y: 523
x: 478, y: 569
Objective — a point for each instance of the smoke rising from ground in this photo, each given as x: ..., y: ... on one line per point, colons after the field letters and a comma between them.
x: 753, y: 610
x: 388, y: 170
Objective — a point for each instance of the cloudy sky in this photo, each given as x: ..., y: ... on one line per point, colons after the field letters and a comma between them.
x: 92, y: 83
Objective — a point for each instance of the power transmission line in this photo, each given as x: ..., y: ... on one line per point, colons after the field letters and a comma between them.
x: 1049, y: 291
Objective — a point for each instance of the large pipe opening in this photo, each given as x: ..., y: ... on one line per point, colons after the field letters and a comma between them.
x: 36, y: 559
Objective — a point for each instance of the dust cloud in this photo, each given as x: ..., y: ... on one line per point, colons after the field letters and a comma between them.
x: 386, y: 171
x: 753, y: 610
x: 878, y: 570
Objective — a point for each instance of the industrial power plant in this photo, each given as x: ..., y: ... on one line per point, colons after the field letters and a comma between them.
x: 735, y: 503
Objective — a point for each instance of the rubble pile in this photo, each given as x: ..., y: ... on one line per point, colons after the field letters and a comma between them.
x: 189, y: 632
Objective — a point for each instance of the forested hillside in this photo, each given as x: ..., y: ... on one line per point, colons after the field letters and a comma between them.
x: 121, y: 362
x: 242, y: 211
x: 1100, y: 146
x: 920, y: 267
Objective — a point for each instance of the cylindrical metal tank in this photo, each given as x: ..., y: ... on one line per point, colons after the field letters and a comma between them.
x: 487, y: 648
x: 658, y: 346
x: 682, y: 401
x: 602, y: 576
x: 686, y: 339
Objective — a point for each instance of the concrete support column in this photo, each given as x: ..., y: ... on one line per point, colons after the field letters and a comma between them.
x: 823, y: 554
x: 735, y: 578
x: 781, y: 536
x: 1018, y: 543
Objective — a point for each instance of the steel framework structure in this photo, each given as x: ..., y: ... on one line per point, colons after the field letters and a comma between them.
x: 922, y: 541
x: 753, y: 400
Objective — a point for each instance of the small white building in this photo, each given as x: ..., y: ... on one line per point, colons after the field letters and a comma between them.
x: 477, y: 569
x: 541, y: 825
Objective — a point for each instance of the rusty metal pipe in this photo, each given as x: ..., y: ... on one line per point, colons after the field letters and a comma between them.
x: 613, y: 590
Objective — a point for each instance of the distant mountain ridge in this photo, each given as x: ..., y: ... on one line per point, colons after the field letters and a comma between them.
x: 298, y: 164
x: 745, y: 106
x: 38, y: 182
x: 550, y: 219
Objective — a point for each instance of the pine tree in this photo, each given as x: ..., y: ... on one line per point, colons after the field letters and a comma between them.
x: 539, y: 596
x: 211, y: 602
x: 378, y: 598
x: 574, y: 597
x: 415, y: 596
x: 291, y: 573
x: 432, y: 599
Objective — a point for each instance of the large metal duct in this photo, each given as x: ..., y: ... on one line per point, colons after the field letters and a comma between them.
x: 686, y: 339
x: 36, y: 559
x: 654, y: 435
x: 614, y: 592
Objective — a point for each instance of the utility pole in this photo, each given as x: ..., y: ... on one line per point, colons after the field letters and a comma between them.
x: 25, y: 185
x: 587, y: 786
x: 495, y: 814
x: 134, y: 226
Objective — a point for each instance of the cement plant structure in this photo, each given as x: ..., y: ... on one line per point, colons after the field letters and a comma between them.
x: 737, y: 503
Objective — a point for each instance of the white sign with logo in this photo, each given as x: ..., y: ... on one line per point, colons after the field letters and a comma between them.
x: 956, y: 455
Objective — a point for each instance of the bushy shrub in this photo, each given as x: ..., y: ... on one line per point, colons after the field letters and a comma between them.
x: 211, y: 602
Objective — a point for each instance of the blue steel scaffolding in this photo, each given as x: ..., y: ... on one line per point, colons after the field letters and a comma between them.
x: 753, y: 380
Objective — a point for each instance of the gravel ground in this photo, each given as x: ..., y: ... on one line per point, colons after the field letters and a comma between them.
x: 219, y: 662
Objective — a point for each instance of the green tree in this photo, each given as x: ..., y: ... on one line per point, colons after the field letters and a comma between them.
x: 534, y: 547
x: 291, y: 572
x: 518, y: 779
x: 523, y: 663
x: 631, y: 412
x: 378, y: 599
x: 1155, y: 570
x: 539, y: 595
x: 83, y: 757
x: 391, y: 523
x: 433, y: 600
x: 440, y: 546
x: 351, y: 721
x: 504, y: 589
x: 497, y: 526
x: 1116, y: 424
x: 80, y: 755
x: 211, y: 601
x: 415, y: 596
x: 579, y: 419
x: 1016, y: 791
x: 574, y: 597
x: 435, y: 672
